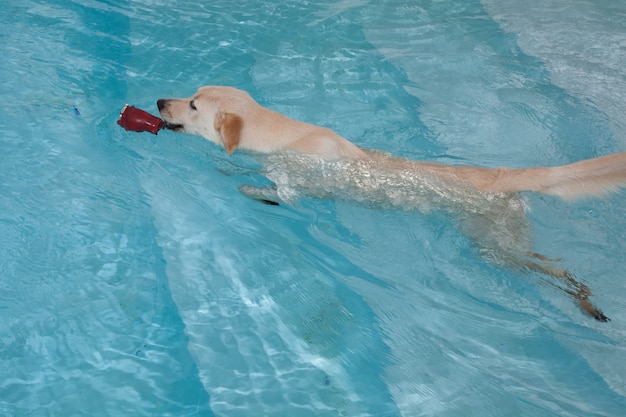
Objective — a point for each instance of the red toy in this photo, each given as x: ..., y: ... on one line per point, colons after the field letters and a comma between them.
x: 137, y: 120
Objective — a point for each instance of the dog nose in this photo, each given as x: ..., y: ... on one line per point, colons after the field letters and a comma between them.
x: 161, y: 103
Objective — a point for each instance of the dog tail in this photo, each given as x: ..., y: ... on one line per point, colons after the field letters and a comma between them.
x: 592, y: 177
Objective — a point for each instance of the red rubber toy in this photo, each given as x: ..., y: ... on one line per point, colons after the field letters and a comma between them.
x: 137, y: 120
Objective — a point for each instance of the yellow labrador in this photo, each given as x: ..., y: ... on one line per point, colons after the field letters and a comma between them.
x: 304, y: 159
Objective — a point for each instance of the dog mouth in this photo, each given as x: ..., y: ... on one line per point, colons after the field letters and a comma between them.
x: 172, y: 126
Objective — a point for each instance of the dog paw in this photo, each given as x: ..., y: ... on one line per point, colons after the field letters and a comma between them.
x: 265, y: 195
x: 592, y: 310
x: 599, y: 315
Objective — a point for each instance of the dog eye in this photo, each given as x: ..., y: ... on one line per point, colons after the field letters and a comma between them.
x: 192, y: 104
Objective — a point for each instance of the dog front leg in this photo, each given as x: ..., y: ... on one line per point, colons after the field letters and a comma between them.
x: 265, y: 195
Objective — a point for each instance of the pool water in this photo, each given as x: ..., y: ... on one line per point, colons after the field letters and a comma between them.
x: 136, y: 280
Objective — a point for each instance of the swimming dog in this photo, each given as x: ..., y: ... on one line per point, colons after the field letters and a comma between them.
x: 305, y: 159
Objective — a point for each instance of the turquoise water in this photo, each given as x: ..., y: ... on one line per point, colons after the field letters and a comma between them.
x: 136, y: 280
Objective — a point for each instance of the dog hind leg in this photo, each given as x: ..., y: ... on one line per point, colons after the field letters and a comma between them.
x: 577, y: 290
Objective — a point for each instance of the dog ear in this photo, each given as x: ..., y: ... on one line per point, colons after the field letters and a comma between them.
x: 229, y: 127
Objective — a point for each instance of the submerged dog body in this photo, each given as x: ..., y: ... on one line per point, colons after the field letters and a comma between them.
x: 304, y: 159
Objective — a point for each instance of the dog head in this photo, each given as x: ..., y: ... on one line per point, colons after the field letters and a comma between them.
x: 214, y: 113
